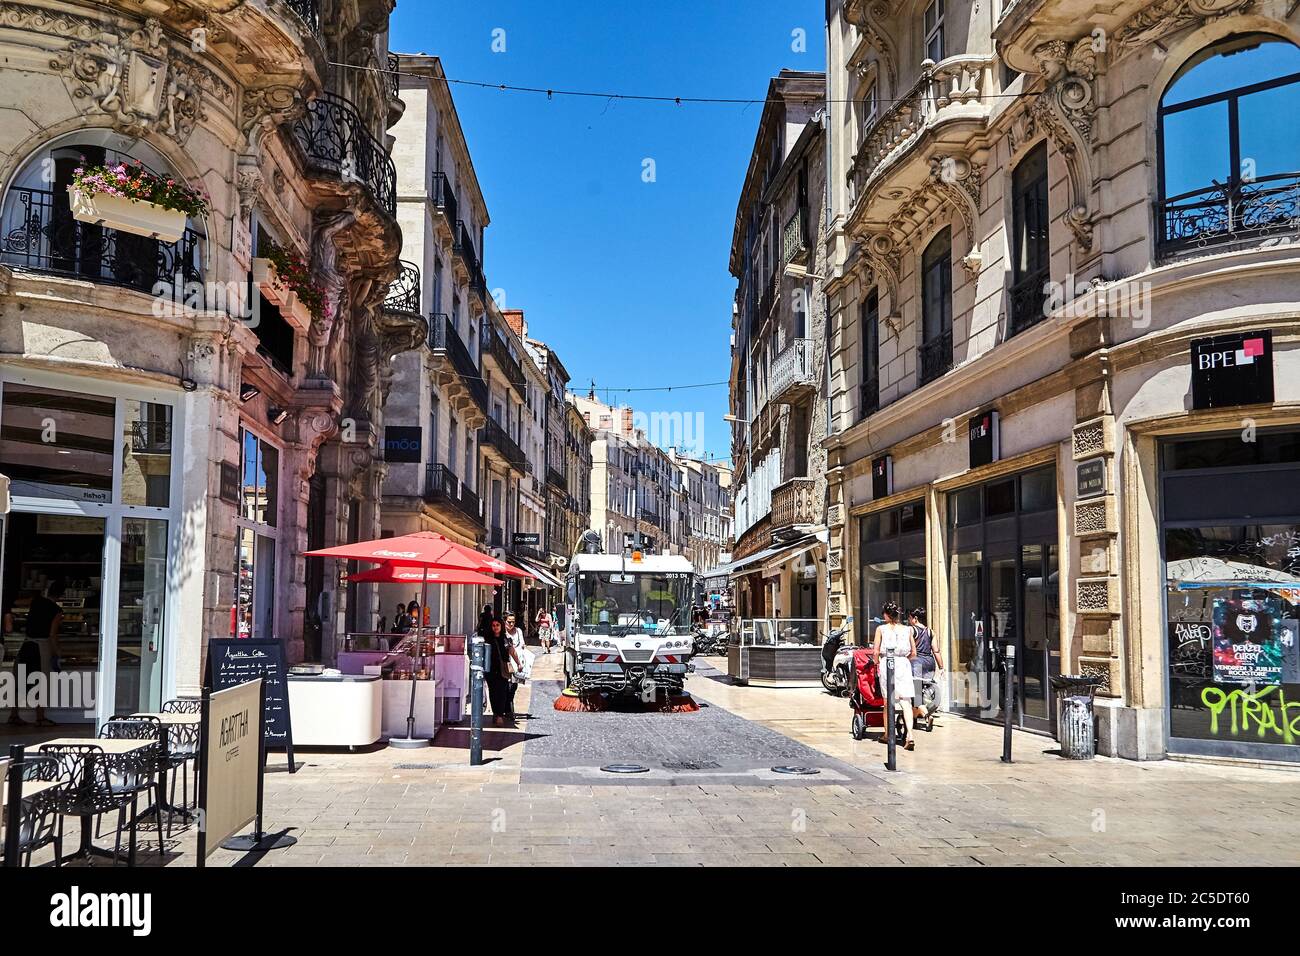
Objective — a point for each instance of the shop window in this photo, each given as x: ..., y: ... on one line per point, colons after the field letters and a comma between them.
x: 1000, y: 498
x: 1038, y: 490
x: 911, y: 518
x: 1229, y: 451
x: 1030, y: 218
x: 964, y: 507
x: 147, y: 454
x: 936, y: 308
x: 55, y: 443
x: 1229, y: 171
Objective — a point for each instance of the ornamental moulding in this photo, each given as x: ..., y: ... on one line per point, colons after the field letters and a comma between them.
x: 1064, y: 111
x: 1167, y: 17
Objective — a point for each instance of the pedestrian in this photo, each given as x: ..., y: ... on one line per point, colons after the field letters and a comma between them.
x: 401, y: 620
x: 926, y: 661
x: 524, y: 657
x: 44, y: 621
x: 893, y: 637
x: 544, y: 628
x: 497, y: 675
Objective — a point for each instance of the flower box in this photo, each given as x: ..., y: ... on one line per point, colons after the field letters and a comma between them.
x: 135, y: 216
x: 266, y: 278
x: 296, y: 312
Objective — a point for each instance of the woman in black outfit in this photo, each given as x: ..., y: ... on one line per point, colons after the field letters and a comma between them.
x: 497, y: 674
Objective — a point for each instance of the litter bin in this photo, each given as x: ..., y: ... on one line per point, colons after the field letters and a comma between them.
x: 1075, y: 720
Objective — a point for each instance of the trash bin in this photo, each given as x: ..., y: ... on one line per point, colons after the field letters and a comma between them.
x: 1076, y: 727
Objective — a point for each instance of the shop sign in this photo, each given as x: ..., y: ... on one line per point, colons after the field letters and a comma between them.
x: 403, y: 443
x: 236, y: 661
x: 527, y: 539
x: 229, y: 483
x: 882, y: 477
x: 985, y: 435
x: 232, y: 762
x: 1091, y: 477
x: 1234, y: 369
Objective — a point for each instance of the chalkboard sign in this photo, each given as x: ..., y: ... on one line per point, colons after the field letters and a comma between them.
x: 234, y: 662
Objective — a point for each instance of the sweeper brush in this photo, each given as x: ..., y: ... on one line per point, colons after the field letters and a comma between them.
x: 570, y: 700
x: 573, y: 702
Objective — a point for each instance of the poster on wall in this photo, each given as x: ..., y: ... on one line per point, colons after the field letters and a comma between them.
x: 1248, y: 637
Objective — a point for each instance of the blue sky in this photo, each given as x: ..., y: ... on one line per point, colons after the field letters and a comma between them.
x: 626, y: 280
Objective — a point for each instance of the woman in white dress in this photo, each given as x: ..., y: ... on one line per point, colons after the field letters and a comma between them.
x: 896, y: 637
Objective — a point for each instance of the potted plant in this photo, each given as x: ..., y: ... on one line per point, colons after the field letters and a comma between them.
x: 285, y: 279
x: 132, y: 199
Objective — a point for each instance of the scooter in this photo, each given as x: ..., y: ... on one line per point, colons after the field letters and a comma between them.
x: 837, y: 662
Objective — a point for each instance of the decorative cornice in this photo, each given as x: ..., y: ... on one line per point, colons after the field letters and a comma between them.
x: 886, y: 261
x: 1167, y: 17
x: 264, y: 108
x: 957, y: 180
x: 1064, y: 110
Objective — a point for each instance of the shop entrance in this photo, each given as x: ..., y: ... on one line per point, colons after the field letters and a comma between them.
x: 1004, y: 592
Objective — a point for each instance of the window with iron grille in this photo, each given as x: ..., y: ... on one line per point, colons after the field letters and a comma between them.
x: 936, y: 308
x: 1030, y: 217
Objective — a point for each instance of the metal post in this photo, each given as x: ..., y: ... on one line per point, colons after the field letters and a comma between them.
x: 890, y: 759
x: 1008, y: 697
x: 477, y: 651
x: 14, y: 804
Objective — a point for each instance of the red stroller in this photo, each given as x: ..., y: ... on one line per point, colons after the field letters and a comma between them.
x: 866, y: 700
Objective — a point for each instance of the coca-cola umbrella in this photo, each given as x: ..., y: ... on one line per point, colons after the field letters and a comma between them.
x: 430, y: 553
x: 405, y: 574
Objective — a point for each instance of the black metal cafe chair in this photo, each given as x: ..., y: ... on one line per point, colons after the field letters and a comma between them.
x: 183, y: 748
x: 39, y: 823
x: 88, y: 791
x: 183, y: 705
x: 130, y: 775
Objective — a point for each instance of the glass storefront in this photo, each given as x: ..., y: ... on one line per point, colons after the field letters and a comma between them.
x: 91, y: 529
x: 1004, y: 590
x: 1231, y: 537
x: 256, y: 537
x: 892, y: 548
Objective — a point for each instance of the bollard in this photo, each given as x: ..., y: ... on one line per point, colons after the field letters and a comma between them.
x: 890, y: 758
x: 14, y: 804
x: 477, y: 653
x: 1008, y: 696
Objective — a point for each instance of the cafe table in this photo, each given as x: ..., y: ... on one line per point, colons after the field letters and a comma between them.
x: 174, y: 727
x: 112, y: 747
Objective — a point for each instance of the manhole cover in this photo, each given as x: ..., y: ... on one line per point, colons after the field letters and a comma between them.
x: 798, y: 771
x: 690, y: 765
x: 625, y: 768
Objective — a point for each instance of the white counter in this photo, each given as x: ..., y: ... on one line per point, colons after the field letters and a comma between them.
x: 342, y: 711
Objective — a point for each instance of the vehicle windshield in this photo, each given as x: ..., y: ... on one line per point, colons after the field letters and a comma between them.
x: 640, y: 602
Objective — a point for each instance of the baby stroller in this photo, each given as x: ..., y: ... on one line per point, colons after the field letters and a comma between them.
x: 929, y: 702
x: 866, y: 700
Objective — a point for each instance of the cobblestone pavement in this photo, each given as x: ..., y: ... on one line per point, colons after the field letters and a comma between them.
x: 952, y: 802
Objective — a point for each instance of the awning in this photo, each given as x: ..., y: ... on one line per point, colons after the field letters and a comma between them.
x: 790, y: 553
x: 759, y: 558
x: 542, y: 573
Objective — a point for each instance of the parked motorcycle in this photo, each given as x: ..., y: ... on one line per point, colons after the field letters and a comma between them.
x: 837, y: 662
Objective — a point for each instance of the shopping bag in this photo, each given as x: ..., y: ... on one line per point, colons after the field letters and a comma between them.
x: 941, y: 688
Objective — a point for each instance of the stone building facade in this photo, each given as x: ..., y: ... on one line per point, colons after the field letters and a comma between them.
x: 177, y: 429
x: 1064, y: 326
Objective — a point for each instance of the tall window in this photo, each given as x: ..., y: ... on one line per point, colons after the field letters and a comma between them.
x: 1030, y: 219
x: 934, y: 30
x: 867, y: 109
x: 870, y: 401
x: 1229, y: 165
x: 936, y: 308
x: 256, y: 536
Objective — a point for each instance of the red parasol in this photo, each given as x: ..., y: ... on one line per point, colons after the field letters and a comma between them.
x: 422, y: 549
x: 391, y: 573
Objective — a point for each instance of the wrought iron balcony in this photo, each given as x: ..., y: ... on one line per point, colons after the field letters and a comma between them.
x: 869, y: 397
x: 1235, y: 213
x: 492, y: 437
x: 496, y: 538
x: 444, y: 199
x: 793, y: 374
x: 151, y: 437
x: 393, y: 77
x: 38, y: 233
x: 308, y: 12
x: 794, y: 502
x: 493, y: 347
x: 458, y: 373
x: 532, y: 551
x: 935, y: 358
x: 766, y: 300
x: 442, y: 488
x: 795, y: 238
x: 335, y: 140
x: 556, y: 477
x: 1028, y: 302
x: 404, y: 291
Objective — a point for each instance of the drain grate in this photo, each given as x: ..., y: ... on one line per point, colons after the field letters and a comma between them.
x: 692, y: 765
x: 625, y: 768
x: 797, y: 771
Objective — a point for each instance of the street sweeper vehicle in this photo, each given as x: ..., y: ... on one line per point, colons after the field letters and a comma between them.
x: 628, y: 627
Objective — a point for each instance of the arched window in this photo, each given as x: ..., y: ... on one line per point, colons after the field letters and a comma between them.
x: 38, y: 232
x: 936, y: 308
x: 1229, y: 161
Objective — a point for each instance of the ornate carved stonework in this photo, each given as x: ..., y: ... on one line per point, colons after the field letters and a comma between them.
x: 870, y: 19
x: 1064, y: 110
x: 265, y: 108
x: 886, y: 261
x: 957, y: 180
x: 1167, y: 17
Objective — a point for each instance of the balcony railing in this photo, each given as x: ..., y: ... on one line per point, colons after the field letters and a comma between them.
x: 793, y: 374
x: 942, y: 92
x: 308, y: 12
x: 492, y: 344
x: 795, y: 239
x: 443, y: 487
x: 151, y: 437
x: 393, y: 77
x: 556, y: 477
x: 1028, y: 302
x: 765, y: 301
x: 444, y: 198
x: 37, y: 232
x: 1232, y: 213
x: 869, y: 397
x: 446, y: 342
x: 532, y: 551
x: 794, y: 502
x: 496, y: 538
x: 936, y: 357
x: 333, y: 138
x: 492, y: 435
x: 404, y: 291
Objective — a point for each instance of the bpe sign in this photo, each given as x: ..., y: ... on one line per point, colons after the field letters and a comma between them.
x: 1235, y: 369
x: 402, y: 443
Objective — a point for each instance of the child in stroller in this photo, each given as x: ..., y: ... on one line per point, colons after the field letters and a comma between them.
x: 867, y: 701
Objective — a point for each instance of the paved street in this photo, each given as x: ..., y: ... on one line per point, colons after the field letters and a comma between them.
x: 539, y: 799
